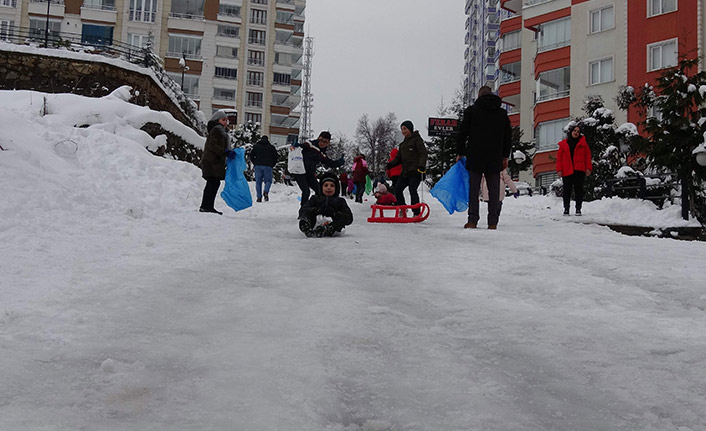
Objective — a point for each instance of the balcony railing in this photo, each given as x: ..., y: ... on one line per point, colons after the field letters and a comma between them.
x: 255, y: 82
x: 190, y: 56
x: 44, y: 1
x: 109, y: 7
x: 557, y: 95
x: 256, y: 62
x: 257, y: 41
x: 142, y: 15
x: 254, y: 103
x: 195, y: 17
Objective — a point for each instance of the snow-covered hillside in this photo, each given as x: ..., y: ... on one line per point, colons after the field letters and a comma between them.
x: 124, y: 308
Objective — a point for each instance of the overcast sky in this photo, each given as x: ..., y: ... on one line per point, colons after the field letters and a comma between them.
x: 380, y: 56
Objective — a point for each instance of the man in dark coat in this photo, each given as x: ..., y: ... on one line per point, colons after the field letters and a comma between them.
x: 213, y: 160
x: 314, y: 154
x: 412, y: 155
x: 485, y: 139
x: 264, y: 157
x: 327, y: 203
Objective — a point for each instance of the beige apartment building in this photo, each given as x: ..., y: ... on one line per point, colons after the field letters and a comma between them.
x: 227, y: 54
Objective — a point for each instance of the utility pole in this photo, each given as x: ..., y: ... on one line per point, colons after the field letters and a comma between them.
x: 46, y: 29
x: 305, y: 132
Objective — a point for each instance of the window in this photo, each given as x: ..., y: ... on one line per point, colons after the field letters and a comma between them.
x: 283, y: 37
x: 37, y: 27
x: 258, y: 16
x: 256, y: 58
x: 258, y: 1
x: 602, y: 19
x: 553, y: 84
x: 545, y: 180
x: 279, y: 99
x: 600, y: 71
x: 143, y: 10
x: 510, y: 41
x: 254, y: 99
x: 283, y: 59
x: 226, y: 51
x: 257, y: 37
x: 99, y: 4
x: 278, y: 120
x: 191, y: 83
x: 8, y: 3
x: 284, y: 17
x: 661, y: 55
x: 223, y: 94
x: 554, y: 34
x: 253, y: 118
x: 190, y: 9
x: 225, y: 72
x: 6, y: 28
x: 256, y: 78
x: 282, y: 79
x: 510, y: 72
x: 658, y: 7
x: 181, y: 45
x: 549, y: 133
x: 138, y: 40
x: 97, y: 34
x: 229, y: 10
x: 228, y: 30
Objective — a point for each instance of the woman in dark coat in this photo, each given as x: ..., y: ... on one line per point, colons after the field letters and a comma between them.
x: 412, y: 156
x: 213, y: 161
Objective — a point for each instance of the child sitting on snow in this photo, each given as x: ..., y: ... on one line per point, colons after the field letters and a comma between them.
x: 325, y: 214
x: 383, y: 197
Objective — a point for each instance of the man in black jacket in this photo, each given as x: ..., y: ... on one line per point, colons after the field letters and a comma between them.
x: 264, y: 157
x: 485, y: 139
x: 314, y: 154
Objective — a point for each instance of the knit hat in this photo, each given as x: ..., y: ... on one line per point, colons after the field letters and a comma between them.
x: 218, y: 115
x: 382, y: 188
x: 325, y: 135
x: 408, y: 124
x: 330, y: 176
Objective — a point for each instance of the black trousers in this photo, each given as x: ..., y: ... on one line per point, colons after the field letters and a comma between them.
x: 412, y: 182
x: 359, y: 190
x: 492, y: 180
x: 210, y: 192
x: 305, y: 182
x: 573, y: 182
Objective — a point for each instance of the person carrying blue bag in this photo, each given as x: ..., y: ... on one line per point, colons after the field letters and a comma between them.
x: 236, y: 192
x: 452, y: 189
x: 213, y: 160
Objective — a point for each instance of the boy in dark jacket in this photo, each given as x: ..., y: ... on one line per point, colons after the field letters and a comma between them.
x: 314, y: 154
x: 325, y: 203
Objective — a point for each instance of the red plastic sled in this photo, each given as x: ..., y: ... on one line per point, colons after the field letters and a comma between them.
x: 398, y: 214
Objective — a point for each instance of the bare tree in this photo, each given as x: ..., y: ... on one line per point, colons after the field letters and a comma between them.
x: 376, y: 139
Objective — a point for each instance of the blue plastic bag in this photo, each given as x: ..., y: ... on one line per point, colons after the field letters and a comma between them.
x: 452, y: 189
x: 236, y: 192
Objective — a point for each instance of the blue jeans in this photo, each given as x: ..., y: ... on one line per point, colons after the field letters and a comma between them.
x: 262, y: 173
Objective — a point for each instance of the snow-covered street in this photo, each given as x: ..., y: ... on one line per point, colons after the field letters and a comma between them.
x: 124, y: 308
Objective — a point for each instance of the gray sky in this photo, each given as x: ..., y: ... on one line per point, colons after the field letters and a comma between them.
x: 378, y: 56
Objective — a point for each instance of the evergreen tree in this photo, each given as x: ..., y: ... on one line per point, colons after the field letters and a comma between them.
x: 515, y: 166
x: 675, y: 128
x: 246, y: 135
x: 442, y: 150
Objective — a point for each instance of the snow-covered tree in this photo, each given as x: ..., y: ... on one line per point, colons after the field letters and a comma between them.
x: 515, y: 165
x: 376, y: 139
x: 246, y: 135
x: 675, y: 123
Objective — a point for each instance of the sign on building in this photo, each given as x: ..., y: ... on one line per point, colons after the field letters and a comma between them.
x: 443, y: 126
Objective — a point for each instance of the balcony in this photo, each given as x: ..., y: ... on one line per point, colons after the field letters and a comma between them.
x: 56, y: 8
x: 514, y: 6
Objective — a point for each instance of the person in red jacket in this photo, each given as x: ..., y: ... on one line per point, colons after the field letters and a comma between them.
x: 360, y: 171
x: 573, y: 165
x: 383, y: 196
x: 394, y: 173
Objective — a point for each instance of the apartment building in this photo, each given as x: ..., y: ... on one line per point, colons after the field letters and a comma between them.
x: 482, y: 27
x: 553, y: 53
x: 227, y: 54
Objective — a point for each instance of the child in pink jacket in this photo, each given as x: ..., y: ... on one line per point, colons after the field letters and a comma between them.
x: 504, y: 180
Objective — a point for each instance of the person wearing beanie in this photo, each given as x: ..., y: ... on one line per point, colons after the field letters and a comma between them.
x: 314, y: 154
x: 412, y: 155
x: 264, y: 157
x: 383, y: 197
x: 326, y: 213
x: 213, y: 160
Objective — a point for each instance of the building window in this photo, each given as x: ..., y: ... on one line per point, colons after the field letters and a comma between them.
x: 187, y: 46
x: 191, y: 83
x: 258, y: 1
x: 661, y: 55
x: 283, y: 59
x: 253, y: 118
x: 279, y: 99
x: 258, y: 16
x: 143, y: 10
x: 282, y: 79
x: 225, y: 72
x: 553, y: 84
x: 510, y: 41
x: 256, y: 78
x: 257, y: 37
x: 600, y: 71
x: 254, y: 99
x: 554, y: 34
x: 285, y: 17
x: 99, y: 4
x: 510, y: 72
x: 8, y: 3
x: 256, y: 58
x: 6, y: 28
x: 226, y: 51
x: 138, y: 40
x: 37, y: 27
x: 602, y: 19
x: 97, y: 34
x: 549, y: 133
x: 188, y: 9
x: 543, y: 181
x: 228, y: 30
x: 229, y: 10
x: 223, y: 94
x: 658, y: 7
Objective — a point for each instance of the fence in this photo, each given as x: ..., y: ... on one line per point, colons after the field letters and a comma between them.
x: 656, y: 187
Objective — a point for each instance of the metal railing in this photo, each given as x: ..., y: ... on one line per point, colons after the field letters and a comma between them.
x: 99, y: 7
x: 195, y: 17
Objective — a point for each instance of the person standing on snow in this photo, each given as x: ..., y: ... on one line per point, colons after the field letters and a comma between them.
x: 412, y: 155
x: 264, y: 157
x: 394, y: 173
x: 360, y: 171
x: 485, y: 139
x: 573, y: 165
x: 314, y: 154
x: 213, y: 160
x: 326, y: 203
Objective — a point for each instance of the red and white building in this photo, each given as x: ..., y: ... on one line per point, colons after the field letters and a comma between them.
x: 553, y: 53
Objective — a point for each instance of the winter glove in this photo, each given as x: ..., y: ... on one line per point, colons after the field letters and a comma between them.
x: 230, y: 154
x: 516, y: 194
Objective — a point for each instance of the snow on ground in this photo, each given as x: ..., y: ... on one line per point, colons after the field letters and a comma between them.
x: 123, y: 308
